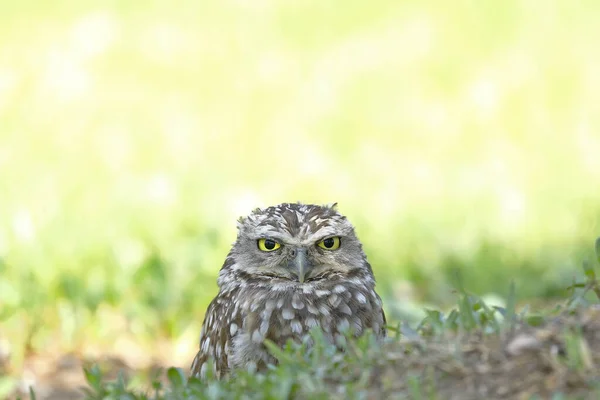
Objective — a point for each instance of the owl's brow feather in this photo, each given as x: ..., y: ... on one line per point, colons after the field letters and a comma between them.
x: 288, y: 240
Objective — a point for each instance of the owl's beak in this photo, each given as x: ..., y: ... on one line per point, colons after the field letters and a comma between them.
x: 299, y: 265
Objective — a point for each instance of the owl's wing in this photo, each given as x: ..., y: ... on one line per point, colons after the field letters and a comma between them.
x: 217, y: 330
x: 378, y: 321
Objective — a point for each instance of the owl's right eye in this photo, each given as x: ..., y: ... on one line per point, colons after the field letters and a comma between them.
x: 268, y: 245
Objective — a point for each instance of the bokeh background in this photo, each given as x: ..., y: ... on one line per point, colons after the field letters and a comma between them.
x: 455, y: 135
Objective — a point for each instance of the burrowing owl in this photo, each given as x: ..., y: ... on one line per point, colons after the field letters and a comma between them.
x: 293, y: 267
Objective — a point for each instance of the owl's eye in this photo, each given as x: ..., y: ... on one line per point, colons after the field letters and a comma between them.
x: 268, y: 244
x: 331, y: 243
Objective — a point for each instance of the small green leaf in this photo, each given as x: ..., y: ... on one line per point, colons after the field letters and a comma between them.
x: 501, y: 310
x: 93, y: 376
x: 450, y: 322
x: 31, y: 393
x: 535, y: 320
x: 458, y: 281
x: 435, y: 318
x: 414, y: 384
x: 524, y: 311
x: 176, y: 377
x: 576, y: 286
x: 279, y: 353
x: 490, y: 315
x: 589, y: 271
x: 408, y: 332
x: 465, y: 310
x: 511, y: 303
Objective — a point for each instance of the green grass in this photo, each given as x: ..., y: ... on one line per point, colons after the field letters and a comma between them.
x: 455, y: 136
x: 437, y: 359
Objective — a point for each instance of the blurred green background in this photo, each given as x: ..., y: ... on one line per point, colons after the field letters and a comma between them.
x: 454, y: 135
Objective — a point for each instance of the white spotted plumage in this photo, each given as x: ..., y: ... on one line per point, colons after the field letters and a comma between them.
x: 261, y: 298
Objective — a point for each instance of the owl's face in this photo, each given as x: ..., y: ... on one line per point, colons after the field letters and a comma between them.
x: 297, y: 243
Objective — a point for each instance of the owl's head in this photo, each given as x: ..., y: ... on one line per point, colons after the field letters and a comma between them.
x: 300, y: 243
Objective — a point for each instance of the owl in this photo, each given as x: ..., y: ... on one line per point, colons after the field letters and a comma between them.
x: 293, y: 267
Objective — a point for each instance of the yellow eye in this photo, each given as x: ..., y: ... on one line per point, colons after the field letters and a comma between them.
x: 331, y: 243
x: 268, y: 245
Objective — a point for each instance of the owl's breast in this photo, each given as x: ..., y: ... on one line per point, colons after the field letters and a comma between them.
x: 290, y: 311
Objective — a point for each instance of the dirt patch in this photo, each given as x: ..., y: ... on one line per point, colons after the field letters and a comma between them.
x: 560, y: 355
x: 63, y: 378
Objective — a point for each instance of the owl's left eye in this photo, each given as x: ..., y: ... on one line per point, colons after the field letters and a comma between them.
x: 268, y: 245
x: 331, y: 243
